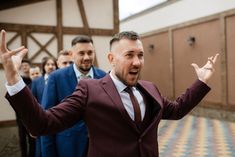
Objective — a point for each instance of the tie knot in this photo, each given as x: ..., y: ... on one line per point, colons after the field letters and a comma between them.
x: 128, y: 90
x: 85, y: 76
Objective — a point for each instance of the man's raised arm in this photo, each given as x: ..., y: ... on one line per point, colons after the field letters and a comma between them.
x: 11, y: 60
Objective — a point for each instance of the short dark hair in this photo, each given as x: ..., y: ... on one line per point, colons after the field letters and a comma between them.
x: 81, y: 39
x: 26, y: 61
x: 131, y: 35
x: 63, y: 53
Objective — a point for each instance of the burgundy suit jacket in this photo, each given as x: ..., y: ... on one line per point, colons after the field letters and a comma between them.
x: 111, y: 131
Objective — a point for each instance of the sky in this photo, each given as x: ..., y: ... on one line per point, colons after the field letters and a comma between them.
x: 131, y: 7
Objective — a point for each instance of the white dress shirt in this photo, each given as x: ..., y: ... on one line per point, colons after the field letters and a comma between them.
x: 14, y: 89
x: 46, y: 78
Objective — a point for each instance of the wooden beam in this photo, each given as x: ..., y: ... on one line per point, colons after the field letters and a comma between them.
x: 84, y: 18
x: 93, y: 31
x: 13, y: 38
x: 7, y: 123
x: 115, y: 16
x: 7, y: 4
x: 59, y: 26
x: 24, y: 41
x: 42, y: 47
x: 28, y: 28
x: 223, y: 61
x: 53, y: 29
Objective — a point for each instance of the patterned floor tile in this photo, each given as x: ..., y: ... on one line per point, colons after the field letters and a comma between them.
x: 196, y: 137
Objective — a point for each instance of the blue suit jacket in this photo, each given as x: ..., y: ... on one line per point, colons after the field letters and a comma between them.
x: 73, y: 141
x: 37, y: 87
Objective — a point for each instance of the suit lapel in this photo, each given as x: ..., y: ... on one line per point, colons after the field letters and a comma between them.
x: 112, y: 92
x: 96, y: 73
x: 42, y: 84
x: 71, y: 74
x: 151, y: 90
x: 156, y: 107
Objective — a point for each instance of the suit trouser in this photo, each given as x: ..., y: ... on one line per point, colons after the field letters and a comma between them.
x: 27, y: 143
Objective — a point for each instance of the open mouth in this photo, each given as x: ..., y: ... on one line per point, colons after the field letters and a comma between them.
x: 133, y: 72
x: 86, y: 63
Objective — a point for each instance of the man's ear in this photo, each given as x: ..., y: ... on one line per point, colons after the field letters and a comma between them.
x: 111, y: 58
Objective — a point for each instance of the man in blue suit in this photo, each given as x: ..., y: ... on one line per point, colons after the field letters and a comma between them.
x: 72, y: 142
x: 37, y: 88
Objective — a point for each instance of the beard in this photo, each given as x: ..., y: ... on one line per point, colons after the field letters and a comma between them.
x: 127, y: 82
x: 85, y: 69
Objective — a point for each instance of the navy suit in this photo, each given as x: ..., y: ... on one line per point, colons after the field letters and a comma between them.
x: 73, y: 141
x: 27, y: 143
x: 37, y: 87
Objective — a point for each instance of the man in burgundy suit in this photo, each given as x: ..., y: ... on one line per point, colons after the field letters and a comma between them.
x: 122, y: 122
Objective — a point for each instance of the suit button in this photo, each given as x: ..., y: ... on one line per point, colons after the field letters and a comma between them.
x: 140, y: 140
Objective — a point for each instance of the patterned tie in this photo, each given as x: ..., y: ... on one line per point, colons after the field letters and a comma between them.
x: 84, y: 76
x: 135, y: 104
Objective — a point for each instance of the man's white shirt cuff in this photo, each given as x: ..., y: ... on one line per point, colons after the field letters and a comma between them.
x: 14, y: 89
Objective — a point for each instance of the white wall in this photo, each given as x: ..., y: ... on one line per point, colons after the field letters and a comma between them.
x: 6, y: 111
x: 99, y: 15
x: 175, y: 13
x: 102, y: 43
x: 42, y: 13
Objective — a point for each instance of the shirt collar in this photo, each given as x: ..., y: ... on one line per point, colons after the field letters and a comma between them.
x: 46, y: 76
x: 78, y: 73
x: 119, y: 85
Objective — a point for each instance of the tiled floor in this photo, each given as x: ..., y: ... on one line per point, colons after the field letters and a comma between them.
x: 9, y: 146
x: 196, y: 137
x: 189, y: 137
